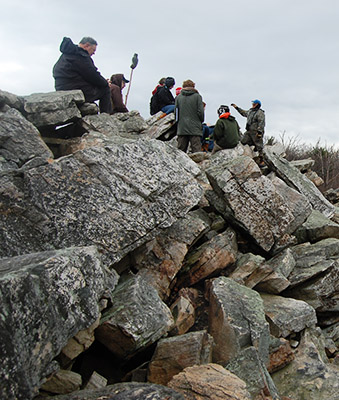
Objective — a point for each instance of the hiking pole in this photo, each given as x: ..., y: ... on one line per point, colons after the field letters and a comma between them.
x: 133, y: 65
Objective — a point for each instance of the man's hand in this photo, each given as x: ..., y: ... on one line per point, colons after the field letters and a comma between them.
x: 234, y: 105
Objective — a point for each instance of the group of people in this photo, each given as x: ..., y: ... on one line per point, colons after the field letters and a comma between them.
x: 75, y: 69
x: 188, y: 107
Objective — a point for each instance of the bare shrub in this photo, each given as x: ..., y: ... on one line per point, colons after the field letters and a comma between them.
x: 326, y: 158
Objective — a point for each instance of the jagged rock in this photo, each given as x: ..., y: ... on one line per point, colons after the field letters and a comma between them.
x: 333, y: 333
x: 309, y: 376
x: 317, y: 227
x: 210, y: 381
x: 132, y: 121
x: 78, y: 344
x: 213, y: 256
x: 54, y: 108
x: 127, y: 125
x: 93, y: 196
x: 253, y: 202
x: 286, y: 315
x: 11, y: 100
x: 281, y: 354
x: 160, y: 260
x: 332, y: 195
x: 312, y: 259
x: 46, y: 298
x: 161, y: 127
x: 236, y: 320
x: 126, y: 391
x: 63, y: 382
x: 245, y: 266
x: 183, y: 314
x: 320, y: 292
x: 294, y: 178
x: 21, y: 143
x: 88, y: 109
x: 96, y: 381
x: 174, y: 354
x: 282, y: 265
x: 303, y: 165
x: 315, y: 178
x: 136, y: 319
x: 251, y: 369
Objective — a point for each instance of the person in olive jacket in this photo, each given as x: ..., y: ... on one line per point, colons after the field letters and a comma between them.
x: 189, y: 111
x: 75, y: 69
x: 226, y: 131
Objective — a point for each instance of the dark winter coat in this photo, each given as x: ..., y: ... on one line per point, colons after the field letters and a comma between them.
x: 116, y: 95
x: 189, y: 110
x: 164, y: 97
x: 75, y: 69
x: 226, y: 131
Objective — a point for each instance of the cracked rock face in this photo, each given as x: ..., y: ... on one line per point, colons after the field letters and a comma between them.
x: 46, y: 298
x: 95, y: 197
x: 255, y: 203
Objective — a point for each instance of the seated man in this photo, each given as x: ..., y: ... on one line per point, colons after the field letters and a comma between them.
x: 75, y: 69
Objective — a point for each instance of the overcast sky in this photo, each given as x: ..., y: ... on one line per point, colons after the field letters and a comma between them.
x: 283, y: 52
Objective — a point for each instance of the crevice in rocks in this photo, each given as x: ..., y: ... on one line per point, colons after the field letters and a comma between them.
x: 97, y: 358
x: 57, y: 138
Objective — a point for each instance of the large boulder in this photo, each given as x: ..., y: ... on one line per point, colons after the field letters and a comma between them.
x: 21, y: 145
x: 286, y: 315
x: 211, y: 381
x: 46, y: 298
x: 265, y: 209
x: 95, y: 197
x: 54, y: 108
x: 310, y: 376
x: 159, y: 260
x: 294, y: 178
x: 174, y: 354
x: 137, y: 318
x: 236, y: 321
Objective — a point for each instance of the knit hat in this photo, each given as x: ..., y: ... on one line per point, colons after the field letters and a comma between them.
x: 169, y: 82
x: 178, y: 90
x: 222, y: 110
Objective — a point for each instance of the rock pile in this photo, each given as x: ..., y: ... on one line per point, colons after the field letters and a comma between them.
x: 131, y: 270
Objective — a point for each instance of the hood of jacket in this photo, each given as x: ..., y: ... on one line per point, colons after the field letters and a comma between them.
x: 117, y: 79
x: 69, y: 48
x: 188, y: 91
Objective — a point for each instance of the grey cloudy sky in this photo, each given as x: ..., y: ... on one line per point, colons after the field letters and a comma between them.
x: 283, y: 52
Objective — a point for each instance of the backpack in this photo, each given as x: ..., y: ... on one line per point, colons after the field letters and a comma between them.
x: 154, y: 105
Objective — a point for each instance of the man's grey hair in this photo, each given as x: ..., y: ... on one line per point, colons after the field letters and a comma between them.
x: 89, y: 40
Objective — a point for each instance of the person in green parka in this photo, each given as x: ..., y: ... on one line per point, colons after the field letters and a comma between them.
x: 189, y: 112
x: 226, y: 131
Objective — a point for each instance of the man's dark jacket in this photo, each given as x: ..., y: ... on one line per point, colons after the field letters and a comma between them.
x: 165, y: 97
x: 75, y: 69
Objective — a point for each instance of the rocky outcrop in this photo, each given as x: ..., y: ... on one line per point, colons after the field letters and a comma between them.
x: 126, y: 262
x: 46, y: 298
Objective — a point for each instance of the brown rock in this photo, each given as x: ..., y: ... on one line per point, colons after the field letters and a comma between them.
x: 281, y: 355
x: 210, y: 381
x: 183, y: 314
x: 174, y: 354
